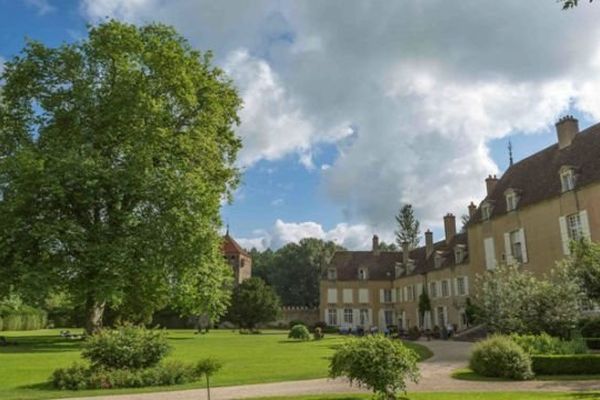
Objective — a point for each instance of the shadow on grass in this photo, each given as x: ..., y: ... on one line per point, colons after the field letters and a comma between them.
x: 41, y: 344
x: 585, y: 395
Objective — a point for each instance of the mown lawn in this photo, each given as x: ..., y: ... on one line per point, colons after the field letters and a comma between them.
x: 467, y: 374
x: 267, y: 357
x: 457, y: 396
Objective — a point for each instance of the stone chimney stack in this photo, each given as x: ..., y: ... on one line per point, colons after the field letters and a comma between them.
x: 375, y: 244
x: 472, y: 209
x: 449, y: 227
x: 490, y: 183
x: 428, y: 243
x: 566, y: 129
x: 405, y: 253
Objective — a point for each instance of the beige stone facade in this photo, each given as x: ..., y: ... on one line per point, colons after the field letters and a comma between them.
x: 238, y: 258
x: 528, y: 218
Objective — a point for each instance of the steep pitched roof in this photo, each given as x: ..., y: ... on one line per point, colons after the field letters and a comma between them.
x: 230, y: 246
x: 382, y: 265
x: 537, y: 177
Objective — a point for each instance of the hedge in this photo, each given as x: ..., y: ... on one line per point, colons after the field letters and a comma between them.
x: 24, y: 319
x: 577, y: 364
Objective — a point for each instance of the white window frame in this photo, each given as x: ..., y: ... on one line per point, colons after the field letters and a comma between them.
x: 567, y: 179
x: 363, y: 274
x: 363, y: 317
x: 433, y: 289
x: 388, y: 317
x: 332, y: 317
x: 445, y: 285
x: 461, y: 289
x: 347, y: 296
x: 332, y: 274
x: 511, y: 201
x: 348, y: 316
x: 486, y: 211
x: 332, y: 296
x: 387, y: 295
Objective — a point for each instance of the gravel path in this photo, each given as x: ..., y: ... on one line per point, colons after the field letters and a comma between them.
x: 435, y: 372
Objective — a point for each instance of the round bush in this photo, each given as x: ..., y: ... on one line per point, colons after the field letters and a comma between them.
x: 500, y: 357
x: 299, y: 332
x: 126, y: 347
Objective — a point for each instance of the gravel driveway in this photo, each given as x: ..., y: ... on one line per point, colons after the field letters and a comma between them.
x: 435, y: 372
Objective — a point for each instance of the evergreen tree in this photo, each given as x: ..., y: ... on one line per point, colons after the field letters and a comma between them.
x: 408, y: 227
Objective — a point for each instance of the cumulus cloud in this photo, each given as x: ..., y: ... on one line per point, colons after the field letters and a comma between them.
x: 411, y: 92
x: 354, y: 237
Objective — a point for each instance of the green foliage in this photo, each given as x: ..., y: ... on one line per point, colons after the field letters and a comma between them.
x: 377, y: 363
x: 547, y: 345
x: 578, y: 364
x: 591, y: 328
x: 299, y: 332
x: 318, y: 333
x: 510, y: 300
x: 593, y: 343
x: 253, y: 303
x: 414, y: 333
x: 499, y: 356
x: 208, y: 367
x: 424, y: 304
x: 126, y: 347
x: 585, y: 264
x: 16, y: 316
x: 408, y: 227
x: 567, y: 4
x: 117, y: 151
x: 79, y: 377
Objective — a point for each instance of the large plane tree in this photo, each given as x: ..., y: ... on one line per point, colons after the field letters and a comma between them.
x: 115, y: 154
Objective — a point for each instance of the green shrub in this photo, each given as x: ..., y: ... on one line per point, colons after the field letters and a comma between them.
x: 545, y: 344
x: 13, y: 322
x: 579, y: 364
x: 591, y: 328
x: 1, y: 323
x: 593, y: 343
x: 318, y: 334
x: 499, y: 356
x: 376, y: 362
x: 19, y: 317
x: 414, y: 333
x: 126, y: 347
x: 79, y: 377
x: 299, y: 332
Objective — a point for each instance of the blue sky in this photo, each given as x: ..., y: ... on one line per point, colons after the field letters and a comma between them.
x: 353, y: 108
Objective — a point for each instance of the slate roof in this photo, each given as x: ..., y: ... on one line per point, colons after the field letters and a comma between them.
x: 537, y: 177
x: 382, y: 266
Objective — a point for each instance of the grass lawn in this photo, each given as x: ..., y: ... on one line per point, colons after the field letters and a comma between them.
x: 467, y: 374
x: 268, y: 357
x: 457, y: 396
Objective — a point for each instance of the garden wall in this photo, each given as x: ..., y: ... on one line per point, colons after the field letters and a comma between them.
x: 309, y: 316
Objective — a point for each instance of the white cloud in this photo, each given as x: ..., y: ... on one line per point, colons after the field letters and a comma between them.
x: 411, y: 92
x: 354, y: 237
x: 277, y: 202
x: 43, y: 6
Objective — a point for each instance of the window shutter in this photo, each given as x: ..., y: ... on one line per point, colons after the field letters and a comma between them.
x: 393, y: 295
x: 419, y: 291
x: 523, y: 245
x: 456, y: 287
x: 490, y: 256
x: 585, y: 226
x: 508, y: 249
x: 466, y: 279
x: 564, y: 235
x: 446, y: 315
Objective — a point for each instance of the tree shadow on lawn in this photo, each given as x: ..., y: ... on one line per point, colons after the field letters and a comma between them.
x: 585, y: 395
x: 41, y: 344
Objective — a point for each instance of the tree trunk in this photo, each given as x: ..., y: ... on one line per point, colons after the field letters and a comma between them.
x: 208, y: 386
x: 94, y: 312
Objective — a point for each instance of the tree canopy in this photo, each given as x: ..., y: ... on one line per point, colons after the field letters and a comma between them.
x: 571, y: 3
x: 585, y: 264
x: 408, y: 227
x: 116, y: 152
x: 253, y: 303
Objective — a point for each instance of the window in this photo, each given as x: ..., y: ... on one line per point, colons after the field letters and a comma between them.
x: 459, y: 254
x: 433, y: 289
x: 363, y: 295
x: 332, y: 317
x: 347, y: 315
x: 399, y: 295
x: 364, y: 317
x: 567, y: 179
x: 332, y: 296
x: 331, y: 274
x: 437, y: 260
x: 574, y: 226
x: 388, y: 316
x: 486, y: 211
x: 410, y: 293
x: 460, y: 286
x: 362, y: 274
x: 490, y: 253
x: 387, y: 295
x: 516, y: 247
x: 347, y: 296
x: 511, y: 201
x: 445, y: 289
x: 441, y: 316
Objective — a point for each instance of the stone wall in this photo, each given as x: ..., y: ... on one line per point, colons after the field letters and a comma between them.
x: 309, y: 316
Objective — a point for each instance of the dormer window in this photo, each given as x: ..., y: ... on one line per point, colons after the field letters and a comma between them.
x: 486, y: 211
x: 437, y: 260
x: 511, y: 200
x: 332, y: 274
x: 567, y: 179
x: 362, y: 274
x: 459, y: 254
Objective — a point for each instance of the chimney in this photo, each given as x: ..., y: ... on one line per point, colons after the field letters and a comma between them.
x: 449, y: 227
x: 405, y: 253
x: 490, y: 183
x: 375, y: 244
x: 566, y: 129
x: 472, y: 209
x: 428, y: 243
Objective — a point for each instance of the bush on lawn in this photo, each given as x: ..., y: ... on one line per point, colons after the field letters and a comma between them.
x: 545, y: 344
x: 500, y: 357
x: 578, y: 364
x: 318, y: 334
x: 377, y: 363
x: 80, y: 377
x: 126, y: 347
x: 299, y: 332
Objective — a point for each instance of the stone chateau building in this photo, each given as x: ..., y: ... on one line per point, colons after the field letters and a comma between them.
x: 528, y: 218
x: 238, y: 258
